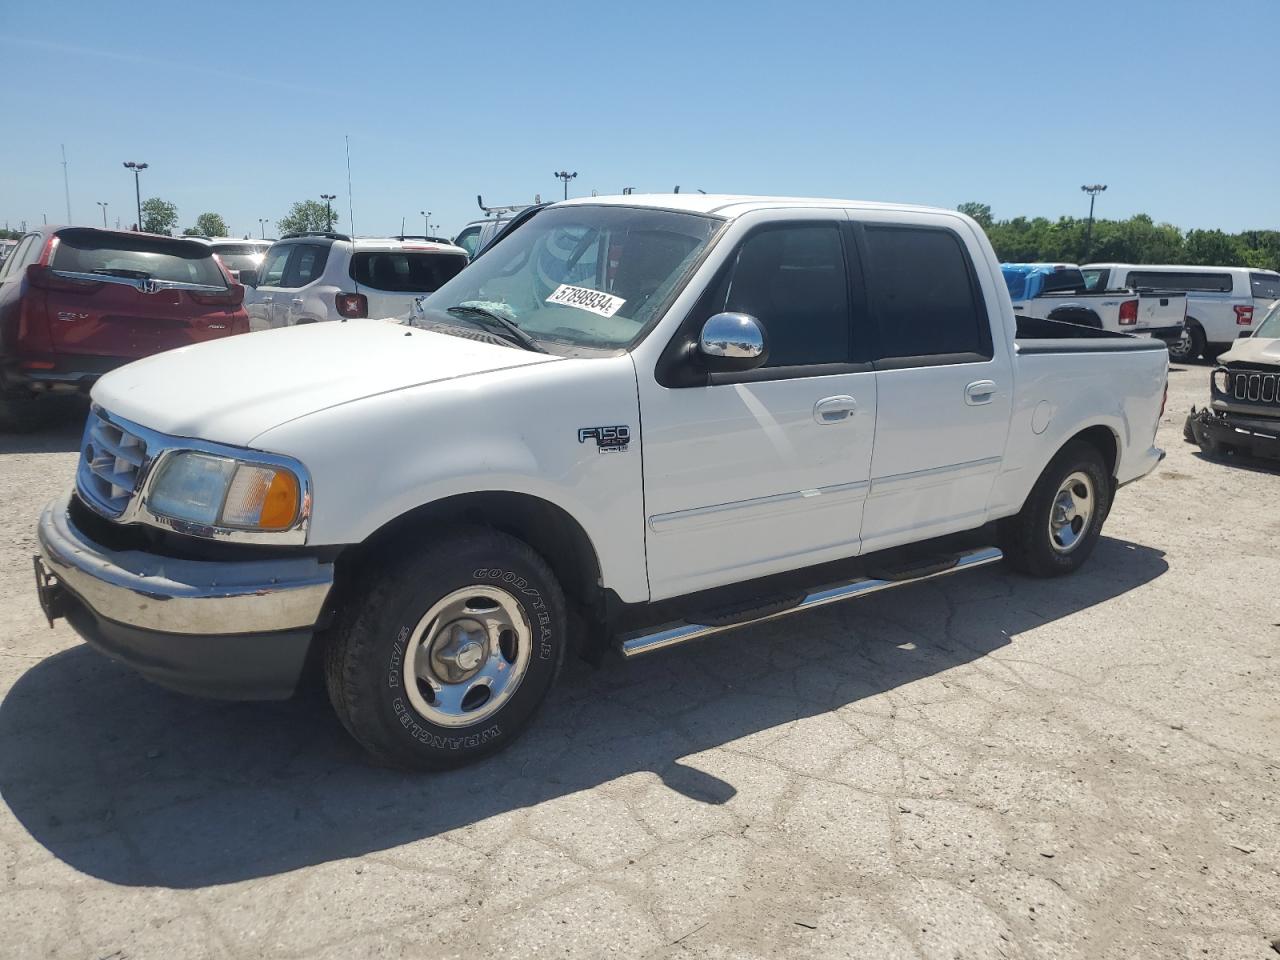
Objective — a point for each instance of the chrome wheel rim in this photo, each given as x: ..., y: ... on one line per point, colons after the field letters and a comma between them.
x: 1180, y: 349
x: 467, y: 656
x: 1072, y: 512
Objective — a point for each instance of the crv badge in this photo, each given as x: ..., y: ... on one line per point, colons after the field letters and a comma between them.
x: 608, y: 439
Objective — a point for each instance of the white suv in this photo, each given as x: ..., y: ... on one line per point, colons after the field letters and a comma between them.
x: 1223, y: 303
x: 310, y: 277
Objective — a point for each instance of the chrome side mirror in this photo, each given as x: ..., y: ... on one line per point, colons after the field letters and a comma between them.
x: 733, y: 341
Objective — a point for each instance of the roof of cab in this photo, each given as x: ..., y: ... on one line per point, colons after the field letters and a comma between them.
x: 735, y: 205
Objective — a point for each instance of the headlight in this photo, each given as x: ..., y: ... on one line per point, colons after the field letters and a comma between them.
x: 215, y: 491
x: 1220, y: 379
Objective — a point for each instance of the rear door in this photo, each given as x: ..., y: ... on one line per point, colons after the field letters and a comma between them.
x: 943, y: 381
x: 391, y: 279
x: 133, y: 295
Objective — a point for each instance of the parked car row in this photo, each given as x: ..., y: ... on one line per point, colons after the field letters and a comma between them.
x: 1222, y: 302
x: 312, y: 277
x: 1059, y: 291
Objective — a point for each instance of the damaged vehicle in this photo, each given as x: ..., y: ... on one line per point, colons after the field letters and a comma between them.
x: 1243, y: 415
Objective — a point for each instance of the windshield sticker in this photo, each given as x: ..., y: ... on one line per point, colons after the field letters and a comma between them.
x: 593, y: 301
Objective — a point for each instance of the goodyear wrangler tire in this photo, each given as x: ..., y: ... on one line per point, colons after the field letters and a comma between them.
x: 444, y: 656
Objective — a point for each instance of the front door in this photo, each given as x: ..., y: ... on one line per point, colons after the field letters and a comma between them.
x: 754, y: 473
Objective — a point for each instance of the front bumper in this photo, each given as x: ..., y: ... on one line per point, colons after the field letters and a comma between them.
x: 1216, y: 431
x: 237, y: 630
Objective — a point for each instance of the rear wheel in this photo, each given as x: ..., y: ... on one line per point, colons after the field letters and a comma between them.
x: 1061, y: 521
x: 1188, y: 346
x: 445, y: 656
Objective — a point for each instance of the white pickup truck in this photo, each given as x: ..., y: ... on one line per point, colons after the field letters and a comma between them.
x: 630, y: 421
x: 1059, y: 291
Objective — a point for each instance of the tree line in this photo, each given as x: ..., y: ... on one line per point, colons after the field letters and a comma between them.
x: 1136, y: 240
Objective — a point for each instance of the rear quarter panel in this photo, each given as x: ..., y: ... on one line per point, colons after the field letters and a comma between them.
x: 1059, y: 394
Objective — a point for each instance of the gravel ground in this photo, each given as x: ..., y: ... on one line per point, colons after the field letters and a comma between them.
x: 985, y: 766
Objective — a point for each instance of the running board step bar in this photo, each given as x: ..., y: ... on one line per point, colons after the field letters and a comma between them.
x: 634, y: 644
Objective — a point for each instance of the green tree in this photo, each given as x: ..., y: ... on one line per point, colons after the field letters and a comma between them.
x: 211, y: 225
x: 1213, y: 247
x: 158, y: 216
x: 979, y: 211
x: 306, y: 215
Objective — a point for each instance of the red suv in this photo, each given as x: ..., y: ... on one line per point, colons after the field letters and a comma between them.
x: 76, y: 302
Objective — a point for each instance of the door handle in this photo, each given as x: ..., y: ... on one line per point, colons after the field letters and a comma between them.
x: 296, y: 300
x: 267, y: 299
x: 834, y: 409
x: 979, y: 392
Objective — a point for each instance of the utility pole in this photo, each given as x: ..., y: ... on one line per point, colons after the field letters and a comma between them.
x: 565, y: 176
x: 66, y: 184
x: 137, y: 168
x: 1092, y: 190
x: 262, y: 223
x: 426, y: 227
x: 103, y: 204
x: 328, y: 199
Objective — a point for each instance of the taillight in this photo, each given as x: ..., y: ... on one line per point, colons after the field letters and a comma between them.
x: 1244, y: 315
x: 45, y: 279
x: 1128, y: 313
x: 1165, y: 399
x: 353, y: 306
x: 233, y: 296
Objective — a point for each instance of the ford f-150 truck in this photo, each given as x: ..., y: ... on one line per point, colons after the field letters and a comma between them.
x: 631, y: 421
x: 1057, y: 291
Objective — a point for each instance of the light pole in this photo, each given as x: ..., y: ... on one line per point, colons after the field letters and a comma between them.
x: 137, y: 168
x: 1092, y: 190
x: 262, y: 222
x: 328, y: 199
x: 103, y: 205
x: 565, y: 176
x: 426, y: 227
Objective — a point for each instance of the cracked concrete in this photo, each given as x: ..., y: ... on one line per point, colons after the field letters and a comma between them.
x: 984, y: 766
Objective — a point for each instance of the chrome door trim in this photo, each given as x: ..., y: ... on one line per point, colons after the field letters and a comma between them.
x: 739, y: 510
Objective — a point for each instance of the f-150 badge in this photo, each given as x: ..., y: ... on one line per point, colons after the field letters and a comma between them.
x: 608, y: 439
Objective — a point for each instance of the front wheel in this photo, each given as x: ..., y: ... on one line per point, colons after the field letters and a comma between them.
x: 445, y: 655
x: 1061, y: 521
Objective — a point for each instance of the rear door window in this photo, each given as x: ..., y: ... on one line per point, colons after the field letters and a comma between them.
x: 924, y: 297
x: 405, y: 271
x: 1265, y: 286
x: 136, y: 257
x: 305, y: 266
x: 1095, y: 279
x: 1191, y: 282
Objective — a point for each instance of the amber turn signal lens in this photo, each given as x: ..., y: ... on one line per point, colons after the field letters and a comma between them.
x: 280, y: 506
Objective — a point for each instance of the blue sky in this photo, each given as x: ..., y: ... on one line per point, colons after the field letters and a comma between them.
x: 242, y: 108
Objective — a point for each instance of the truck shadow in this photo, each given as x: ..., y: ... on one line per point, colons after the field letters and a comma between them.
x: 134, y: 785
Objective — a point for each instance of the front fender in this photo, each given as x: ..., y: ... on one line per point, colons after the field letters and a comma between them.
x: 514, y: 431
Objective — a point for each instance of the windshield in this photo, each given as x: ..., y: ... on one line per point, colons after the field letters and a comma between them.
x: 581, y: 276
x: 1270, y: 326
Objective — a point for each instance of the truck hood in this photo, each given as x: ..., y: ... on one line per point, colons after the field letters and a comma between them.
x: 1251, y: 350
x: 232, y: 390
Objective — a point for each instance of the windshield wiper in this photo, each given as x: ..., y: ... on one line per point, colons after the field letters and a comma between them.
x: 486, y: 318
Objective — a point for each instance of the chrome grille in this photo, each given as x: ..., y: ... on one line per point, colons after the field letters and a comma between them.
x: 111, y: 461
x: 1256, y: 387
